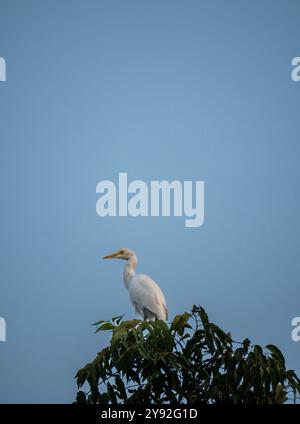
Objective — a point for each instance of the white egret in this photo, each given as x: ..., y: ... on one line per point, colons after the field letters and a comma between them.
x: 145, y: 295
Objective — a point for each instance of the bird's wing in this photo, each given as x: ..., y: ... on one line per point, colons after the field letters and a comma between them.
x: 145, y: 293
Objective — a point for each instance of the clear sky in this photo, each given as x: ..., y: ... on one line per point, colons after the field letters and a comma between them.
x: 197, y: 90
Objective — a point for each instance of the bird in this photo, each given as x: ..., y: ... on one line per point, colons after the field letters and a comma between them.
x: 146, y: 296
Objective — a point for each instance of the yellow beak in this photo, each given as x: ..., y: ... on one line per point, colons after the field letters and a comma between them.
x: 112, y: 255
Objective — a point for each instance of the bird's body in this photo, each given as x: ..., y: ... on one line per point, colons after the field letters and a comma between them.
x: 145, y: 295
x: 147, y: 298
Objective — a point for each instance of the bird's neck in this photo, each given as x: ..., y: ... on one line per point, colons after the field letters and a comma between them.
x: 129, y: 270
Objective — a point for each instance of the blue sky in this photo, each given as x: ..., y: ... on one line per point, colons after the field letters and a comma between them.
x: 197, y: 90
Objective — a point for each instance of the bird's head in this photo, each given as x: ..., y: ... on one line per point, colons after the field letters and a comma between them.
x: 123, y: 253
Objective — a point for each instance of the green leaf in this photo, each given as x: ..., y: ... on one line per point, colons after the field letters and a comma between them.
x: 81, y: 377
x: 116, y: 320
x: 246, y: 344
x: 276, y: 353
x: 258, y: 352
x: 111, y: 393
x: 98, y: 322
x: 106, y: 326
x: 180, y: 322
x: 280, y: 395
x: 123, y: 328
x: 81, y: 397
x: 121, y: 387
x: 104, y: 398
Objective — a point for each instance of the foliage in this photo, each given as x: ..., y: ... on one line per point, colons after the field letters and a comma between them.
x: 189, y: 361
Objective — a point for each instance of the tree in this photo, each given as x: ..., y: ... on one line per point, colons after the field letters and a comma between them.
x: 189, y: 361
